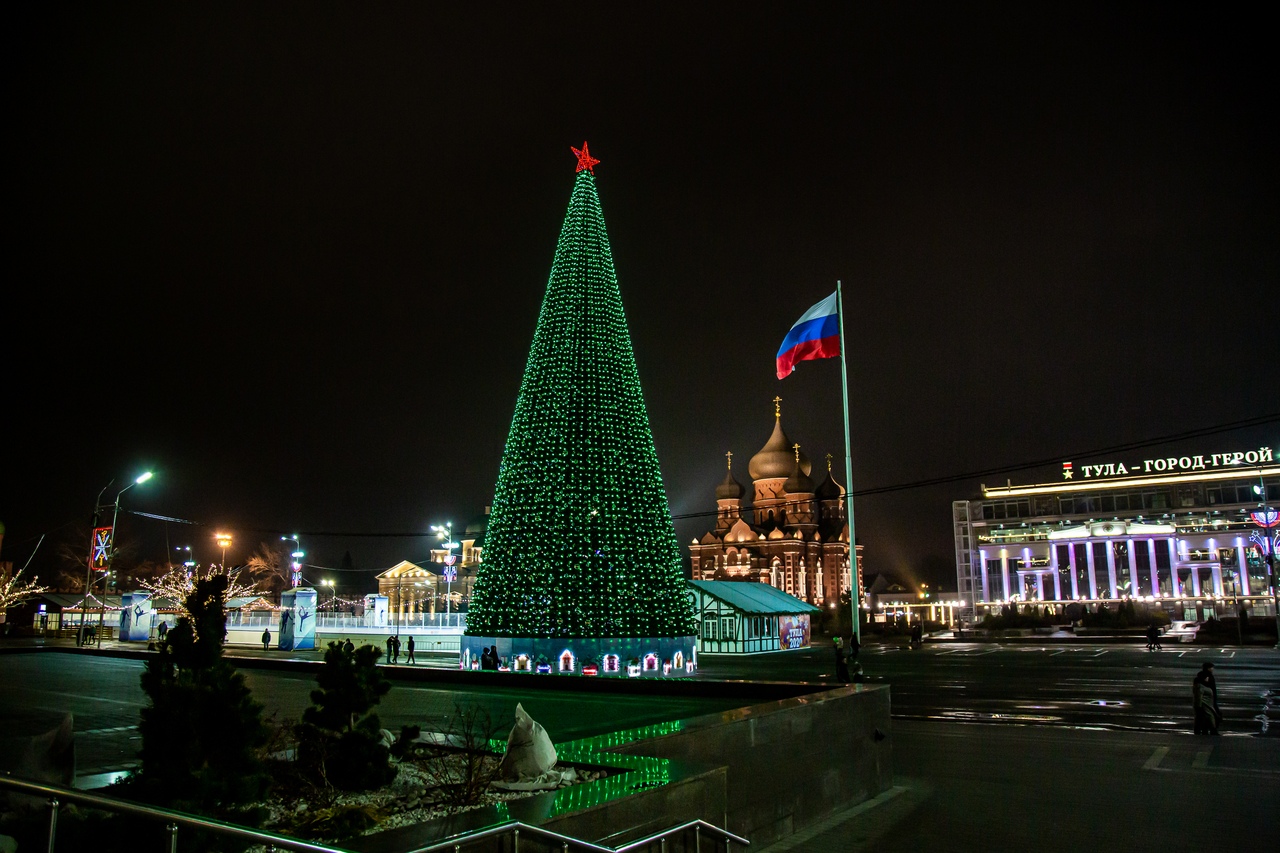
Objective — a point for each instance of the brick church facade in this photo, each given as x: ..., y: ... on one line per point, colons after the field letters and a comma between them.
x: 794, y: 536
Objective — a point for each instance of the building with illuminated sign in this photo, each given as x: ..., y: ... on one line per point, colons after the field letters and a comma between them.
x: 793, y: 536
x: 1195, y: 534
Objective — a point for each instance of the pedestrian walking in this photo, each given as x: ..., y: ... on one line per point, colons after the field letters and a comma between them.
x: 396, y: 651
x: 917, y: 636
x: 1204, y: 696
x: 391, y: 647
x: 266, y: 639
x: 409, y: 648
x: 163, y: 630
x: 842, y: 663
x: 1153, y: 638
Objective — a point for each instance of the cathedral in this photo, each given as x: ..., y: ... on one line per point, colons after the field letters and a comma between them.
x: 794, y: 536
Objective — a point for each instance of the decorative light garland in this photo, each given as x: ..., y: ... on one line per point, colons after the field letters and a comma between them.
x: 580, y: 541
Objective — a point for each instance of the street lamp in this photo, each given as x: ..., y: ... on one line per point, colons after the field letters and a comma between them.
x: 1269, y: 520
x: 224, y: 540
x: 297, y: 558
x: 445, y: 532
x: 103, y: 549
x: 333, y: 593
x: 399, y: 608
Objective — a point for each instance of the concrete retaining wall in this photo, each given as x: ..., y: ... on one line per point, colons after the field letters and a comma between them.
x: 793, y: 762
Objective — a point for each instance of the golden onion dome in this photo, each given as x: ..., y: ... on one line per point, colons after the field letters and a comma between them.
x: 778, y: 456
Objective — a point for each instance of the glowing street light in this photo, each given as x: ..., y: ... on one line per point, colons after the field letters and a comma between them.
x: 224, y: 540
x: 445, y: 532
x: 297, y: 555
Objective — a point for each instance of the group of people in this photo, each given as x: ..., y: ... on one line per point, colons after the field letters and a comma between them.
x: 393, y: 650
x: 489, y: 658
x: 847, y: 667
x: 1153, y: 638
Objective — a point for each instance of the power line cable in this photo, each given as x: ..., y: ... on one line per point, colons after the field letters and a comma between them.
x: 1245, y: 423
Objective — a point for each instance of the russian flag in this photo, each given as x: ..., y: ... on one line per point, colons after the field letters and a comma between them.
x: 815, y: 335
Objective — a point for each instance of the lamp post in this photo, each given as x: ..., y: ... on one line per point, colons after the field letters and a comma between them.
x: 450, y: 575
x: 1269, y: 520
x: 224, y: 540
x: 400, y: 601
x: 110, y: 553
x: 444, y: 532
x: 99, y: 551
x: 297, y: 556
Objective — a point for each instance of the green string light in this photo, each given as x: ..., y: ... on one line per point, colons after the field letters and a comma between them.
x: 580, y: 541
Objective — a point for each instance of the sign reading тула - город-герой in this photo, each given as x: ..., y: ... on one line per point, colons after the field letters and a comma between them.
x: 1199, y: 462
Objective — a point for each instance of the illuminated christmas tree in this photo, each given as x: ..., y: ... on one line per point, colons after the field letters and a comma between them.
x: 580, y: 541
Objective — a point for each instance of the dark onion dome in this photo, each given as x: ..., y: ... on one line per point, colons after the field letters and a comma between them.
x: 730, y: 489
x: 829, y: 489
x: 798, y: 483
x: 777, y: 457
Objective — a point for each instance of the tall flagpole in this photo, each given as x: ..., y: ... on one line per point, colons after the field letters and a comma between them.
x: 855, y: 593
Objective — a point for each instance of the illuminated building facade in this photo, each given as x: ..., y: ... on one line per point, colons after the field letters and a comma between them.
x: 794, y: 536
x: 414, y: 590
x: 1189, y: 533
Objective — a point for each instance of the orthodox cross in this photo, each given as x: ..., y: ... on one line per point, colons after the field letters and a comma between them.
x: 777, y: 407
x: 729, y: 456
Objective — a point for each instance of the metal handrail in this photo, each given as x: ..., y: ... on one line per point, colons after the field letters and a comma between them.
x: 698, y: 825
x: 56, y: 794
x: 515, y: 827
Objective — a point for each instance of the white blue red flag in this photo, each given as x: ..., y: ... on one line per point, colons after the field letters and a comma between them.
x: 815, y: 335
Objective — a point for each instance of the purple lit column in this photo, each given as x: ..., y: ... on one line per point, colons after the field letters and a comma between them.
x: 1004, y: 573
x: 1057, y: 579
x: 1093, y: 575
x: 982, y: 563
x: 1071, y: 564
x: 1173, y: 569
x: 1111, y: 569
x: 1155, y: 572
x: 1131, y: 560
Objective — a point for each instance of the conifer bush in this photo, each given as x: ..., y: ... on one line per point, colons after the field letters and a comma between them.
x: 201, y: 731
x: 340, y: 737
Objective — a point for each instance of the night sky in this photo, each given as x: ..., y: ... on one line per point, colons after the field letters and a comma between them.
x: 290, y: 255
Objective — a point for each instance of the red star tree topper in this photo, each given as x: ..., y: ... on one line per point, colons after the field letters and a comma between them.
x: 585, y: 160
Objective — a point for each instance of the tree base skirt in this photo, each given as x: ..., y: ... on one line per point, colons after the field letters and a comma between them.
x: 613, y: 657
